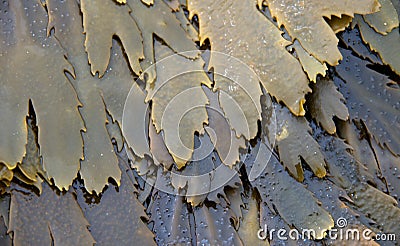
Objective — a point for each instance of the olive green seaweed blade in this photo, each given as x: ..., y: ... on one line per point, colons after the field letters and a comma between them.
x: 25, y: 51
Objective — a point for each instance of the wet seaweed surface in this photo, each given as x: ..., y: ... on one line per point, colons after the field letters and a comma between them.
x: 289, y: 121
